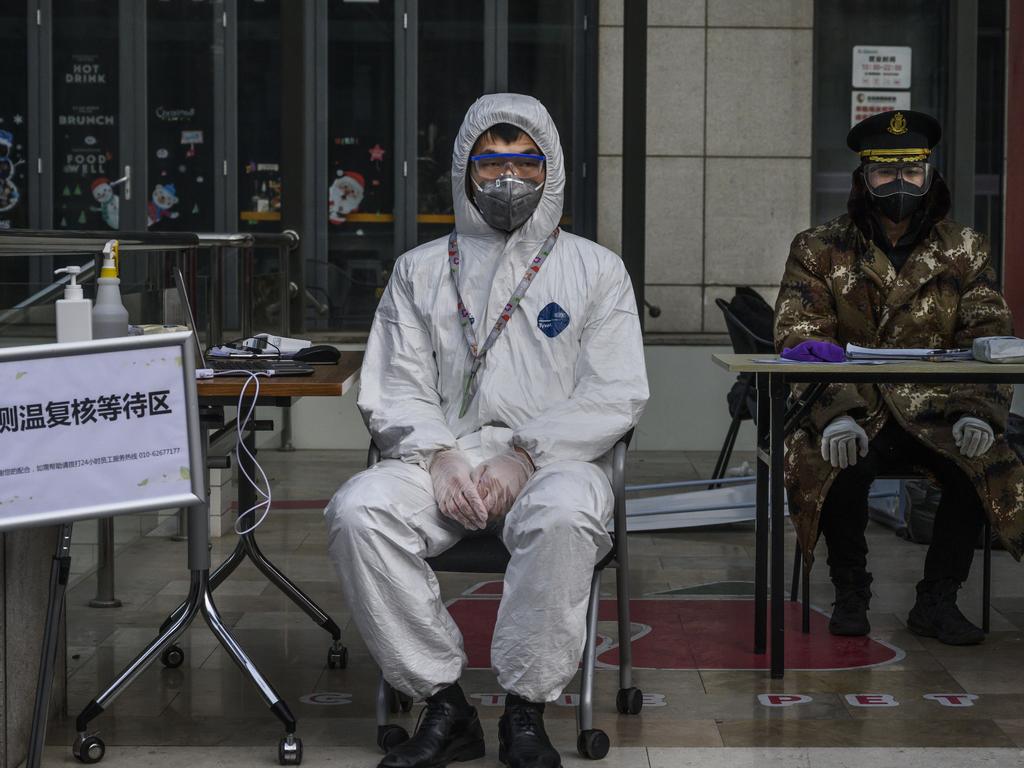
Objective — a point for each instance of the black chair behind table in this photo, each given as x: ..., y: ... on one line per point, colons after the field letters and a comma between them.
x: 748, y: 319
x: 487, y: 554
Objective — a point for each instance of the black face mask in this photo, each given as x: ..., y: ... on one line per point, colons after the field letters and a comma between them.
x: 894, y: 203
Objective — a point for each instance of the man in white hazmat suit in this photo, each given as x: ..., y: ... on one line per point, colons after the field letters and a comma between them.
x: 503, y: 364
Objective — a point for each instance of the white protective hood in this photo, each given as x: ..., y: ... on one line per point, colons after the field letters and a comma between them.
x: 565, y: 379
x: 523, y: 112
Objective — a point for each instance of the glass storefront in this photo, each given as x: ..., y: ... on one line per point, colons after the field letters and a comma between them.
x: 188, y: 94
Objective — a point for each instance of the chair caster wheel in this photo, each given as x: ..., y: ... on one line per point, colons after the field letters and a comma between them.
x: 172, y: 657
x: 89, y: 749
x: 337, y: 657
x: 629, y: 701
x: 592, y: 744
x: 289, y: 751
x: 390, y: 736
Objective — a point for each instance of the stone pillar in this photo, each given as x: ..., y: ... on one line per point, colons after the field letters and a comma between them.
x: 25, y: 559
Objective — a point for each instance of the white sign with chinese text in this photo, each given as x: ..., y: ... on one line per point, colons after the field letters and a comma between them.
x: 99, y: 431
x: 867, y: 103
x: 881, y: 66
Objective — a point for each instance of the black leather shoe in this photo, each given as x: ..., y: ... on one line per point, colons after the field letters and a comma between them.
x: 853, y: 598
x: 522, y: 740
x: 446, y: 734
x: 935, y: 615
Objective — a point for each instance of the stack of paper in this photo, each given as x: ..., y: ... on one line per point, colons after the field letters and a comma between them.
x: 854, y: 352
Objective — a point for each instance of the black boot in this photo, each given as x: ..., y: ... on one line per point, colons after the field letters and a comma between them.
x: 522, y: 741
x: 449, y: 731
x: 935, y: 615
x: 853, y: 598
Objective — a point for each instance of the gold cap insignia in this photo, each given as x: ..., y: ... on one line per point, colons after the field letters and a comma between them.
x: 898, y: 124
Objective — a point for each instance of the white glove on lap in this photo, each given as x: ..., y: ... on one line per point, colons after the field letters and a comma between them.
x: 455, y: 492
x: 973, y: 436
x: 842, y: 441
x: 500, y: 479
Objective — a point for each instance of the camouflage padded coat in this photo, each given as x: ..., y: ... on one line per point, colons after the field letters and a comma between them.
x: 839, y: 286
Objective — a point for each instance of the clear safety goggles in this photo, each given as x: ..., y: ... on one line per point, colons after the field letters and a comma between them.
x: 916, y: 178
x: 493, y: 166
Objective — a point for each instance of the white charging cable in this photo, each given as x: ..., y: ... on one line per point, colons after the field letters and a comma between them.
x: 264, y: 498
x: 240, y: 425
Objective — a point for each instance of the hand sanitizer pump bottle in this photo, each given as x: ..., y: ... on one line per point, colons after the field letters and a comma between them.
x: 109, y: 317
x: 74, y: 311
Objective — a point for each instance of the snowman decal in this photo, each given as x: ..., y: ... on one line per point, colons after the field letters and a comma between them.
x: 9, y: 194
x: 159, y: 207
x: 345, y: 196
x: 109, y: 203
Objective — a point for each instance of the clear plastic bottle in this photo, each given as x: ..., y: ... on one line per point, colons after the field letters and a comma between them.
x: 109, y: 317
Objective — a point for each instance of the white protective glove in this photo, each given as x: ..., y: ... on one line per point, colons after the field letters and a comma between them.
x: 455, y: 491
x: 973, y: 436
x: 500, y: 479
x: 841, y: 442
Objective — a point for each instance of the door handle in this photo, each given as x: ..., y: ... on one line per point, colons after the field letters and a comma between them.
x: 127, y: 181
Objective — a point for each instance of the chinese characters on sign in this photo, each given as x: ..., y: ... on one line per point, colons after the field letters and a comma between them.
x: 104, y: 429
x: 867, y: 103
x: 879, y: 67
x: 67, y: 413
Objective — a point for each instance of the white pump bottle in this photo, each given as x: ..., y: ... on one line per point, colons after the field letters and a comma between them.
x: 74, y: 311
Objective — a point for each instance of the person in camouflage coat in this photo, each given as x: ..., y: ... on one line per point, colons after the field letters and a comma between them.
x: 857, y: 279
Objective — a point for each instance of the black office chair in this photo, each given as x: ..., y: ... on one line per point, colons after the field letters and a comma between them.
x: 487, y: 554
x: 745, y: 341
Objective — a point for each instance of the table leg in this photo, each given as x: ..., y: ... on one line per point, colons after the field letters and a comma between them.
x: 761, y: 519
x: 777, y: 387
x: 247, y: 543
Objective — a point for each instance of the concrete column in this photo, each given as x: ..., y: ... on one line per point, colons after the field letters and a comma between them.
x: 25, y: 558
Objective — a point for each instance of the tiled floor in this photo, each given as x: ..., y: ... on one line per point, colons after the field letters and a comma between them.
x: 168, y: 716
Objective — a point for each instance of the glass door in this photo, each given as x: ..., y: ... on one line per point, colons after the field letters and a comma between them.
x: 259, y: 116
x: 450, y: 78
x: 14, y: 125
x: 361, y: 155
x: 88, y: 166
x: 179, y: 120
x: 918, y: 30
x: 540, y: 63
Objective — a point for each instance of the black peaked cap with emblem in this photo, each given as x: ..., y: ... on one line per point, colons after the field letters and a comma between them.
x: 898, y: 135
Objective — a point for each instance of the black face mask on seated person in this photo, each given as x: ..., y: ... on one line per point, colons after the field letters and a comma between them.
x: 507, y: 202
x: 894, y: 203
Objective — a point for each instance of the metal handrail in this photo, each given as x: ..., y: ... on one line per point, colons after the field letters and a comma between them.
x: 59, y: 242
x: 56, y: 242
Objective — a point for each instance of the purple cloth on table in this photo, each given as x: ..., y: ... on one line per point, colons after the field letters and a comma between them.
x: 815, y: 352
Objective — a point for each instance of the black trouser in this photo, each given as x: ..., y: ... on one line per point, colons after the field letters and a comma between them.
x: 958, y: 520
